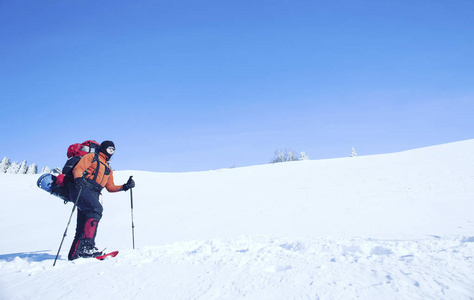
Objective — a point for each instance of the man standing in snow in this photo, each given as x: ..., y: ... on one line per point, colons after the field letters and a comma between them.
x: 91, y: 174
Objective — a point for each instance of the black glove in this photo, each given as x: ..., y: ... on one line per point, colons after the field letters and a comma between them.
x: 80, y: 182
x: 129, y: 185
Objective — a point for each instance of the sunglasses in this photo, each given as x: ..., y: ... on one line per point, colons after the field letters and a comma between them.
x: 111, y: 148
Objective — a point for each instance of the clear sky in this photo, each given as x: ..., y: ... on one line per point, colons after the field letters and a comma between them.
x: 199, y: 85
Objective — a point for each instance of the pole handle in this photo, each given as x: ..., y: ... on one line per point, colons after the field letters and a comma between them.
x: 131, y: 195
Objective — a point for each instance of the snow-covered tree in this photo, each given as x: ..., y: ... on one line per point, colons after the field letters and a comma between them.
x: 13, y: 168
x: 353, y: 153
x: 23, y: 168
x: 303, y: 156
x: 45, y: 170
x: 32, y: 169
x: 4, y: 165
x: 284, y: 155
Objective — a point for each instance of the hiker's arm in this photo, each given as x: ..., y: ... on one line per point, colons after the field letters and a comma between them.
x: 110, y: 185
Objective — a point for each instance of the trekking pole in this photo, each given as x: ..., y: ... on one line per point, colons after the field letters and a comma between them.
x: 133, y: 225
x: 65, y: 231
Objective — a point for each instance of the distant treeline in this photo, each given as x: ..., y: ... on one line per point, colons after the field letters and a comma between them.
x: 15, y: 168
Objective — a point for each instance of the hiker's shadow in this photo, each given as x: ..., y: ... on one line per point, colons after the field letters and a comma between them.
x: 29, y: 256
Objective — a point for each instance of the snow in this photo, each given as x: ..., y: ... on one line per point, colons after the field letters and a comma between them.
x: 391, y: 226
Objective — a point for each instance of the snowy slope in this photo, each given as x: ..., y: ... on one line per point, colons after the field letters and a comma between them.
x: 393, y: 226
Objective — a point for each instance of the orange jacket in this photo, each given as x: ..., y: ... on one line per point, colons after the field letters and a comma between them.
x: 105, y: 175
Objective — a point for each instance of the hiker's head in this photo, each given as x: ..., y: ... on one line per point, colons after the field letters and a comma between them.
x: 108, y: 148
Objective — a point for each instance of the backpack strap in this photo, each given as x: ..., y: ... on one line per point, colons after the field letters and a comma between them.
x: 96, y: 159
x: 96, y: 172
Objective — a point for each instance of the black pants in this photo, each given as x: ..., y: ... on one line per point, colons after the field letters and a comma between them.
x: 89, y: 213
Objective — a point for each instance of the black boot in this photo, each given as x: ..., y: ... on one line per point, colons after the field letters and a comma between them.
x: 89, y: 251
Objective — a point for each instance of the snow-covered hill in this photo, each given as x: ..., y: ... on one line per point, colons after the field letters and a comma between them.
x: 393, y: 226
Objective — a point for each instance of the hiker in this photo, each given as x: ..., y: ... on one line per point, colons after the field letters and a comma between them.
x: 91, y: 174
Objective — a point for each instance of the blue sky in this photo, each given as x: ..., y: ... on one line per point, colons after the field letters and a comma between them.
x: 200, y: 85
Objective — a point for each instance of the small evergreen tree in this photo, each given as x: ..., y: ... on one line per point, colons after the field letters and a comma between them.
x: 32, y: 169
x: 353, y: 153
x: 14, y: 168
x: 45, y: 170
x: 23, y: 168
x: 4, y: 165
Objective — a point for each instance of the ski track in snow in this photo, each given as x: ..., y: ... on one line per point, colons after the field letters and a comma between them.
x: 258, y: 267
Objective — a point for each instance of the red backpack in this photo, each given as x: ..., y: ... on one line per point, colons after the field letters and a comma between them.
x: 74, y: 154
x: 82, y: 149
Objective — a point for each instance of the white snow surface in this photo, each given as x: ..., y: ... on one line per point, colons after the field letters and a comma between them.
x: 392, y: 226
